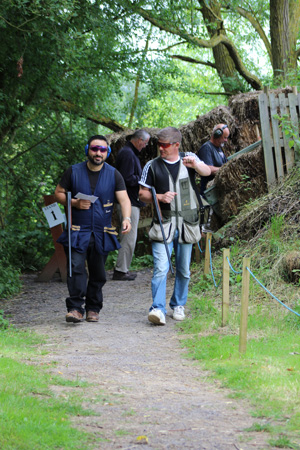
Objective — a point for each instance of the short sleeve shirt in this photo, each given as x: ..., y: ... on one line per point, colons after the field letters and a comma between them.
x: 66, y: 182
x: 212, y: 156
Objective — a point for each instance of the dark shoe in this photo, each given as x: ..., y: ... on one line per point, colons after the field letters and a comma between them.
x: 92, y: 316
x: 121, y: 276
x: 74, y: 316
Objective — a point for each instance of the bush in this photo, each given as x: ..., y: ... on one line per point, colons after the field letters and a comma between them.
x: 10, y: 282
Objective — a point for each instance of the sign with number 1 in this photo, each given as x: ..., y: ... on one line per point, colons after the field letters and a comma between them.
x: 53, y: 215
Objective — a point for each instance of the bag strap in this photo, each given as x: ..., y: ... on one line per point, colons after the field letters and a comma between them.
x: 193, y: 183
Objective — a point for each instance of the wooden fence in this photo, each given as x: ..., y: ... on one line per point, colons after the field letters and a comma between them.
x: 278, y: 155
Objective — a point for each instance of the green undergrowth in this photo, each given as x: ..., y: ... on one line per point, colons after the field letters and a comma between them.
x: 137, y: 263
x: 32, y: 417
x: 268, y: 373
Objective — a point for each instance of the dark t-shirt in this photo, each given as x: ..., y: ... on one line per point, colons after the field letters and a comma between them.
x: 66, y: 182
x: 129, y: 166
x: 172, y: 168
x: 212, y: 156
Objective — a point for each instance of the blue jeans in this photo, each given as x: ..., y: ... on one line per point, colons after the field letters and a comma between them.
x: 183, y: 254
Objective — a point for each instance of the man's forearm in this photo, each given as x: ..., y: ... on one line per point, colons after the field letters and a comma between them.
x: 126, y: 208
x: 145, y: 195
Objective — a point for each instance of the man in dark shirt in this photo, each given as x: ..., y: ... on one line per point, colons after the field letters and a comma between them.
x: 212, y: 154
x: 94, y: 185
x: 128, y: 164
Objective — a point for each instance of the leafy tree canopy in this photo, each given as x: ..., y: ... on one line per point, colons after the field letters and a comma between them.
x: 69, y: 67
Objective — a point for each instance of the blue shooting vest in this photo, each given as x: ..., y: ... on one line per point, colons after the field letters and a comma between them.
x: 97, y: 219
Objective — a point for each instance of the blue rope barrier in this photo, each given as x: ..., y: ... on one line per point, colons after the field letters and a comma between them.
x: 275, y: 298
x: 211, y: 268
x: 201, y: 251
x: 232, y: 267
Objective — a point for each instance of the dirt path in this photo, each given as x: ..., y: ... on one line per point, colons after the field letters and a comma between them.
x: 139, y: 371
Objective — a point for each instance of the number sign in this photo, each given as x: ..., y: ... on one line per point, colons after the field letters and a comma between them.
x: 53, y: 215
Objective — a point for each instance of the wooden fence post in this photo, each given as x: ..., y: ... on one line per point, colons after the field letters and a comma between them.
x: 225, y: 287
x: 244, y: 306
x: 197, y: 253
x: 207, y: 256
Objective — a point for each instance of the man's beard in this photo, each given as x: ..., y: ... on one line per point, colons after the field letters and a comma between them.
x: 95, y: 163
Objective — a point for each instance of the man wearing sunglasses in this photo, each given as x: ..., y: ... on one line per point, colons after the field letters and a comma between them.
x: 128, y: 164
x: 92, y: 235
x: 171, y: 174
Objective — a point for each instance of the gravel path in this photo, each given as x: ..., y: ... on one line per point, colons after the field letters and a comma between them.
x: 142, y: 383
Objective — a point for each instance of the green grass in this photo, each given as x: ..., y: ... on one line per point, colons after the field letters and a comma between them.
x: 268, y: 373
x: 31, y: 416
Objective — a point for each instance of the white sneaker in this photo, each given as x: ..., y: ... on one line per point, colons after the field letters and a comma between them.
x: 178, y: 313
x: 157, y: 317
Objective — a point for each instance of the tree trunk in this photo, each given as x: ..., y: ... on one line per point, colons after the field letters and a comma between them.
x: 284, y: 28
x: 224, y: 64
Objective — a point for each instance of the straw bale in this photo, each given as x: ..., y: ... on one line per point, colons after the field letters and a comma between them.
x: 195, y: 133
x: 290, y: 267
x: 238, y: 181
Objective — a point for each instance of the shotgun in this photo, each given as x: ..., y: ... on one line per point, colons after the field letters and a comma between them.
x: 69, y: 232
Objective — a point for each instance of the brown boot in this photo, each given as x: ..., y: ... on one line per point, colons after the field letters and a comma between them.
x: 74, y: 316
x: 92, y: 316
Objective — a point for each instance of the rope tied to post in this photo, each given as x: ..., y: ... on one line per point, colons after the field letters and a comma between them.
x: 236, y: 272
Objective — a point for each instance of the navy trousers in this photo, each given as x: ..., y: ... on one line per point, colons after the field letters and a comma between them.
x: 85, y: 290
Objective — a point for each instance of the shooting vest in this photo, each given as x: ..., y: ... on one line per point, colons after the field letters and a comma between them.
x: 182, y: 213
x: 97, y: 219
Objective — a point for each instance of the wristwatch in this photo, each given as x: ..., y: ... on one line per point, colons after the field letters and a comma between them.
x: 127, y: 218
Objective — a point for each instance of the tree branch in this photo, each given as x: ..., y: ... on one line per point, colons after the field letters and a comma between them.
x: 33, y: 146
x: 258, y: 28
x: 229, y: 94
x: 192, y: 60
x: 94, y: 117
x: 168, y: 48
x: 217, y: 39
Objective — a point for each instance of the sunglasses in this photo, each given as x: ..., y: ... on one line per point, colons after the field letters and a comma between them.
x: 165, y: 144
x: 95, y: 148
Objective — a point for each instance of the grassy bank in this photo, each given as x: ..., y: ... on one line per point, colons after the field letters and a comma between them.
x: 31, y: 416
x: 268, y: 374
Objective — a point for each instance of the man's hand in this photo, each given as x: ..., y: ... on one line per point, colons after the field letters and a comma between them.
x: 79, y: 203
x: 167, y: 197
x: 190, y: 161
x: 126, y: 226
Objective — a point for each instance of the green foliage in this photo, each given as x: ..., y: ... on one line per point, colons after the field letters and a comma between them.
x: 274, y: 233
x: 111, y: 260
x: 4, y: 323
x: 142, y: 261
x: 9, y: 280
x: 137, y: 261
x: 290, y: 134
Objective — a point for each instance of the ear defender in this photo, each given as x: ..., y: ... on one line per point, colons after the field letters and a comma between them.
x: 219, y: 131
x: 86, y: 149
